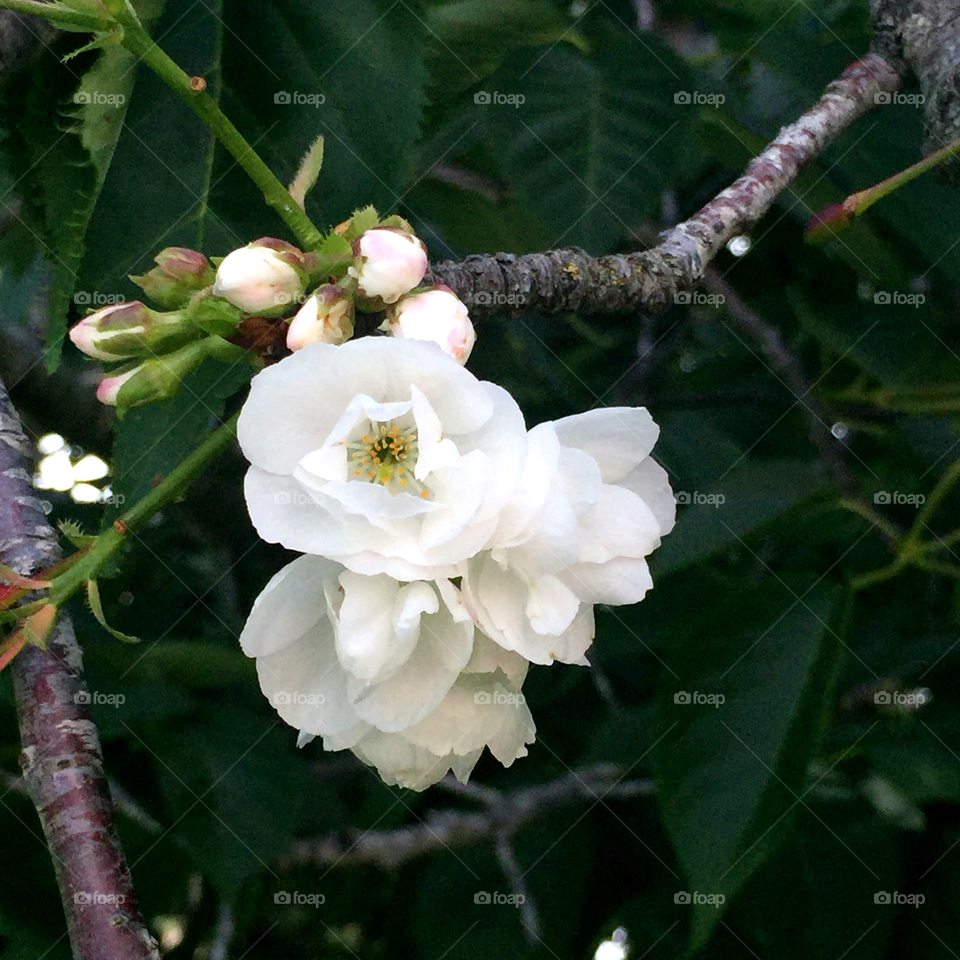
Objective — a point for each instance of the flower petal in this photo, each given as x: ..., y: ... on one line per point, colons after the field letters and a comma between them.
x: 290, y: 604
x: 618, y: 438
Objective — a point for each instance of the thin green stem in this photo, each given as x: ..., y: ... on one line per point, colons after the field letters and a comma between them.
x: 61, y: 15
x: 867, y: 198
x: 946, y: 481
x: 138, y: 41
x: 862, y: 510
x: 109, y: 542
x: 942, y: 543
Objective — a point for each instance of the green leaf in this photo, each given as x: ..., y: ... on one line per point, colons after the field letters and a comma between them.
x: 590, y: 141
x: 357, y: 67
x: 96, y: 607
x: 151, y: 440
x: 731, y: 771
x: 747, y: 492
x: 62, y: 154
x: 470, y: 38
x: 157, y: 193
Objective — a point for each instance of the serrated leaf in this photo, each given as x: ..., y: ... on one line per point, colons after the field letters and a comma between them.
x: 470, y: 38
x: 71, y: 135
x: 362, y: 220
x: 362, y: 63
x: 157, y: 193
x: 590, y: 141
x: 731, y: 771
x: 724, y: 493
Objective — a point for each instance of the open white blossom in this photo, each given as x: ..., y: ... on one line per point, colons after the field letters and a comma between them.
x: 591, y: 506
x: 385, y: 455
x: 394, y: 672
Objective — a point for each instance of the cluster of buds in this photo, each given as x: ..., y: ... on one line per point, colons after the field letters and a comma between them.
x: 363, y: 265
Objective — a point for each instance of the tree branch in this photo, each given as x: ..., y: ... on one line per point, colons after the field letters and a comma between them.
x: 503, y: 815
x: 570, y: 280
x: 923, y: 37
x: 61, y: 759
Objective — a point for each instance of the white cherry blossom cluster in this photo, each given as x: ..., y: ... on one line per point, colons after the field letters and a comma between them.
x: 445, y: 548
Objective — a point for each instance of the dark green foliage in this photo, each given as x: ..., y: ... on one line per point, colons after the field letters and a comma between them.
x: 807, y: 792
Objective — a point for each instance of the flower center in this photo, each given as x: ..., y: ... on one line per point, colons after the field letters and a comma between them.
x: 387, y: 455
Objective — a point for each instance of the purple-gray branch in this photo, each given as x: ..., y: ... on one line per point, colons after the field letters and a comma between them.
x: 570, y: 280
x: 61, y: 760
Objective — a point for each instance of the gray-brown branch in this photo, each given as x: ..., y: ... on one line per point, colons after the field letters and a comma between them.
x: 502, y: 816
x: 922, y: 38
x: 61, y: 760
x: 570, y: 280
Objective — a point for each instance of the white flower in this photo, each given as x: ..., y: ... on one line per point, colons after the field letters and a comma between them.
x: 261, y: 278
x: 388, y: 263
x: 326, y: 317
x: 436, y: 315
x: 383, y: 454
x: 591, y: 506
x: 393, y: 672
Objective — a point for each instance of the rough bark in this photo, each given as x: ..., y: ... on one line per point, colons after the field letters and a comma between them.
x: 61, y: 760
x: 570, y: 280
x: 922, y: 38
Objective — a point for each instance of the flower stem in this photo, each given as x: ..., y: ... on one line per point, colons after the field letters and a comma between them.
x: 111, y: 540
x: 138, y: 42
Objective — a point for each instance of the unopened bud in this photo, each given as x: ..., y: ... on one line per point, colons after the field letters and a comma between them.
x: 437, y: 315
x: 265, y: 278
x: 326, y: 317
x: 179, y: 273
x: 152, y: 380
x: 126, y: 330
x: 388, y: 262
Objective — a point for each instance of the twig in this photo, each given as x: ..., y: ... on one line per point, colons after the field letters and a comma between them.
x: 61, y: 759
x: 443, y: 829
x: 570, y: 280
x: 518, y: 884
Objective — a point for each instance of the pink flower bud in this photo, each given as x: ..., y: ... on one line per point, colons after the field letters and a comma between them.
x: 126, y: 330
x: 438, y: 315
x: 110, y: 386
x: 179, y: 273
x: 326, y: 317
x: 389, y: 262
x: 262, y: 278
